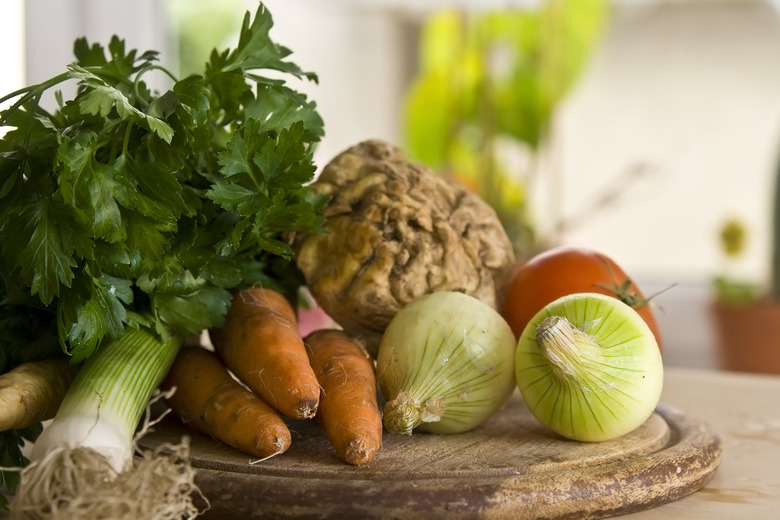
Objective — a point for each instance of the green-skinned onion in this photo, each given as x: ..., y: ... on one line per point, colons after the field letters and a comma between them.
x: 445, y: 364
x: 589, y: 367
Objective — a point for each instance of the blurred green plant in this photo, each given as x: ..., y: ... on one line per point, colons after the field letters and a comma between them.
x: 729, y: 287
x: 488, y: 84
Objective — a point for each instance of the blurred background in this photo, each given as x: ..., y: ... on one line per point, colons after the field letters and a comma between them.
x: 634, y: 127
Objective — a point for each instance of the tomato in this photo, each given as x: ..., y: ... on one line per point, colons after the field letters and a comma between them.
x: 567, y: 270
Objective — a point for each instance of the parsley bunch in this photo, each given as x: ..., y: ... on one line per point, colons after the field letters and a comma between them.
x: 126, y: 207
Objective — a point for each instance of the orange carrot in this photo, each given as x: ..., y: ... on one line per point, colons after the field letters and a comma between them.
x: 348, y: 413
x: 260, y: 344
x: 209, y: 400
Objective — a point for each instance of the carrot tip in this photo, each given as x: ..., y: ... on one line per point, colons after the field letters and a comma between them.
x: 307, y: 410
x: 358, y: 453
x: 281, y: 446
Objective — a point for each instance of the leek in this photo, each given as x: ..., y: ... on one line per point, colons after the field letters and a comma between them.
x: 83, y: 464
x: 104, y: 405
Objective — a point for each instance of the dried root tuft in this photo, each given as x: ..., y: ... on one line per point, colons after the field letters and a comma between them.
x: 80, y: 483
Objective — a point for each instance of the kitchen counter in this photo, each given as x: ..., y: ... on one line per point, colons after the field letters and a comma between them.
x: 744, y: 410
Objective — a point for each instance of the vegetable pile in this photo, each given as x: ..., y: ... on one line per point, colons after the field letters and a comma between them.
x: 129, y: 216
x: 132, y: 221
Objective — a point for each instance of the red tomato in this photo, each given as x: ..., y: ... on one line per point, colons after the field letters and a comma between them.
x: 567, y: 270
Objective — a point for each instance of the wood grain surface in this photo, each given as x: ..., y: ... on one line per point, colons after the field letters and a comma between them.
x: 511, y: 467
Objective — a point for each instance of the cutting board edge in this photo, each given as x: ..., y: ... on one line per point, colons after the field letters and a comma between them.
x: 684, y: 466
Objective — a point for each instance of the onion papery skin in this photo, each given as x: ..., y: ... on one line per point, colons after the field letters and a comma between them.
x: 607, y: 388
x: 445, y: 364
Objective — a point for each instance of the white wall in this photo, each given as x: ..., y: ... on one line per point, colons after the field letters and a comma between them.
x: 692, y: 91
x: 362, y: 57
x: 12, y: 38
x: 52, y: 26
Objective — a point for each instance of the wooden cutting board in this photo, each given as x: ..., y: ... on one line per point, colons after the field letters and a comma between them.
x: 511, y: 467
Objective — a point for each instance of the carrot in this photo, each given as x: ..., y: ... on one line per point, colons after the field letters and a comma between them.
x: 260, y: 343
x: 348, y: 412
x: 210, y: 400
x: 33, y: 391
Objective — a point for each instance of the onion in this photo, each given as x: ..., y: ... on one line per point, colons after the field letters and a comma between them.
x: 445, y: 364
x: 589, y: 367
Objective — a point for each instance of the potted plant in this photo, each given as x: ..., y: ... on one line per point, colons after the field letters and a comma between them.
x: 747, y: 316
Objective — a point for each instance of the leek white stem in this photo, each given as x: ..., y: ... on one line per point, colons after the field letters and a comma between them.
x: 105, y: 403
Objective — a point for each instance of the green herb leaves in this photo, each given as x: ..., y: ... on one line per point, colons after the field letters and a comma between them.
x: 125, y: 206
x: 263, y: 184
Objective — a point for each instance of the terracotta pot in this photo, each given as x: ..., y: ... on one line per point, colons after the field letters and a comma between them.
x: 748, y: 336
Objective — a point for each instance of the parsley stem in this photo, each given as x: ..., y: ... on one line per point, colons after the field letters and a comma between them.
x: 26, y: 143
x: 150, y: 67
x: 140, y: 74
x: 33, y: 90
x: 126, y: 140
